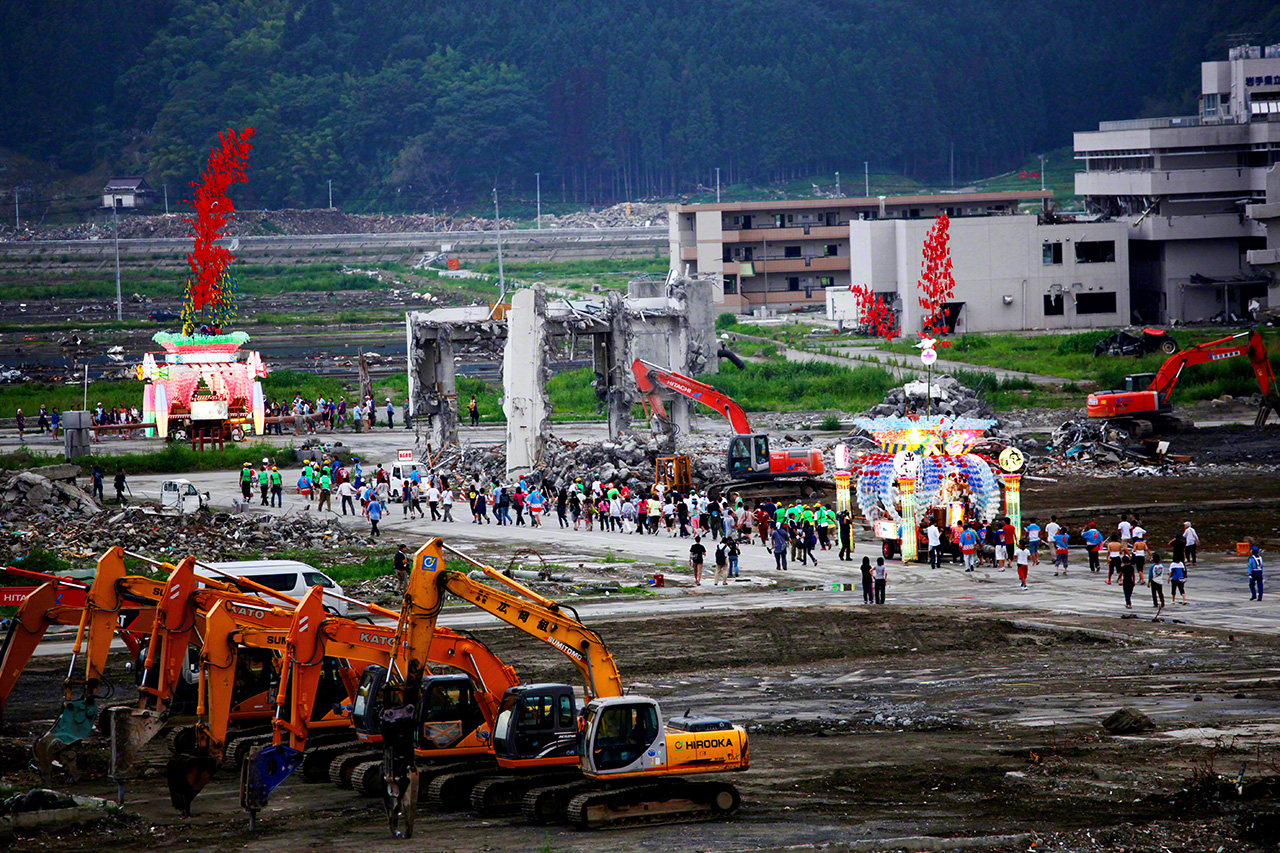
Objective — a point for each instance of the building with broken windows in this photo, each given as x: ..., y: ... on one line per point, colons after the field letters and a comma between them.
x: 1184, y: 185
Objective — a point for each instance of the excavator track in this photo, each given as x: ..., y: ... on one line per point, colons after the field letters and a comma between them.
x: 787, y: 489
x: 316, y: 760
x: 238, y: 748
x: 342, y: 766
x: 451, y: 792
x: 502, y: 796
x: 548, y: 804
x: 367, y: 778
x: 671, y: 801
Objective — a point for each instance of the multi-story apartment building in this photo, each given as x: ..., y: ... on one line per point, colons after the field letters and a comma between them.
x: 1184, y: 185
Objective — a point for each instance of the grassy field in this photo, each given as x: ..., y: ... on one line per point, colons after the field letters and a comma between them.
x: 1071, y: 357
x: 580, y: 275
x: 788, y: 386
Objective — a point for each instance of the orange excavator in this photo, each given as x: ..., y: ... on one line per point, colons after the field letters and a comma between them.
x: 756, y: 470
x: 1143, y: 406
x: 458, y: 709
x: 631, y: 762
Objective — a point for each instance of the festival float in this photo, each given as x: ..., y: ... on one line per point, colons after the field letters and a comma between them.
x: 927, y: 465
x: 199, y: 389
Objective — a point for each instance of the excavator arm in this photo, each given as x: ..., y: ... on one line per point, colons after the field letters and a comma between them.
x: 1171, y: 371
x: 649, y: 377
x: 537, y: 616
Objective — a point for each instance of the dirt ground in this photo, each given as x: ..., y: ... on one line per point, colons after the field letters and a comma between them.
x: 865, y: 724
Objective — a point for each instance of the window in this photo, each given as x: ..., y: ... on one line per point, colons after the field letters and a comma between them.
x: 1053, y: 305
x: 831, y: 250
x: 623, y: 735
x: 1211, y: 105
x: 915, y: 213
x: 1096, y: 252
x: 566, y: 712
x: 791, y: 252
x: 793, y: 283
x: 1052, y: 253
x: 280, y: 583
x: 790, y: 218
x: 727, y: 254
x: 826, y: 281
x: 317, y: 579
x: 1095, y: 303
x: 737, y: 220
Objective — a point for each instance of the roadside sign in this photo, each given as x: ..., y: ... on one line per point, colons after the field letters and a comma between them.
x: 404, y: 455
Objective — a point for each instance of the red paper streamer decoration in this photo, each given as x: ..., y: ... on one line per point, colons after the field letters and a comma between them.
x: 936, y: 286
x: 213, y: 210
x: 875, y: 314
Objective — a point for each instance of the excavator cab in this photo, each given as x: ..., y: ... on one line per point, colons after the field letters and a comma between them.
x: 622, y: 736
x: 444, y: 713
x: 748, y: 456
x: 366, y: 708
x: 1139, y: 381
x: 536, y: 721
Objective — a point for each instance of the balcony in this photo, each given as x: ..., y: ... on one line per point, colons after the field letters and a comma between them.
x: 733, y: 234
x: 1149, y: 182
x: 777, y: 264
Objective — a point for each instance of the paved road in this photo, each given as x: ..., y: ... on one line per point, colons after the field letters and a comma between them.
x: 1218, y: 587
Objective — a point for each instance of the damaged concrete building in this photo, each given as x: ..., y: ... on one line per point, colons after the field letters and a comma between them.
x: 669, y: 322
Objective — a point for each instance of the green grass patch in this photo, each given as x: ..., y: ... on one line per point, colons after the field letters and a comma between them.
x: 181, y: 459
x: 604, y: 272
x: 788, y: 386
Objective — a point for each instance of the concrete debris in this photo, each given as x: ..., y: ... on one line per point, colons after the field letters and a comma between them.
x: 622, y: 215
x: 68, y: 521
x: 949, y: 397
x: 1128, y: 721
x: 31, y: 492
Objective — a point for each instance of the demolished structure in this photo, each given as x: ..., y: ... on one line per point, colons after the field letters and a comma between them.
x: 669, y: 322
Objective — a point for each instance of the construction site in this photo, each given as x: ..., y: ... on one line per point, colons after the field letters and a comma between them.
x: 941, y: 665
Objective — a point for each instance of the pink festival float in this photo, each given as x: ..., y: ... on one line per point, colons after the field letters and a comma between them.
x: 199, y: 386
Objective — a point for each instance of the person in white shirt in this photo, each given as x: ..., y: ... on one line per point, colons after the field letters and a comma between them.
x: 446, y: 501
x: 1022, y: 556
x: 1126, y: 530
x: 433, y: 501
x: 1189, y: 534
x: 1051, y: 529
x: 935, y: 543
x: 347, y: 491
x: 1138, y: 531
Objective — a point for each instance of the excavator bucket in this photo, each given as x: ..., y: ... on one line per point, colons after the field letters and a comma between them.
x: 131, y: 729
x: 74, y: 724
x: 264, y: 770
x: 187, y: 774
x: 400, y: 769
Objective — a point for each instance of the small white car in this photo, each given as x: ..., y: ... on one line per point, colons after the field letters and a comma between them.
x: 290, y: 577
x: 181, y: 496
x: 401, y: 471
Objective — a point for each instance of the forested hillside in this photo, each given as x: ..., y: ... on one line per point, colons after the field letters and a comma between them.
x: 428, y: 104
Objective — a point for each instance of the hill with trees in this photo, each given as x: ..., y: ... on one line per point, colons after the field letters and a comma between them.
x: 425, y: 106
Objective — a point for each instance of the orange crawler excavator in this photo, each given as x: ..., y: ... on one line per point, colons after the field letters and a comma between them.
x: 1143, y: 406
x: 756, y: 470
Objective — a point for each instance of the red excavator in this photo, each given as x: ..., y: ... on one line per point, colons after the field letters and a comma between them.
x: 1143, y: 406
x: 757, y: 471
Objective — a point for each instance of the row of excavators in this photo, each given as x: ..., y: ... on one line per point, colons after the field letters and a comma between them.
x: 388, y: 703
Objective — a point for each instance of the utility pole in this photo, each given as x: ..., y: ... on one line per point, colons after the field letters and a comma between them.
x: 953, y: 163
x: 837, y: 185
x: 115, y: 226
x: 1042, y: 171
x: 166, y: 199
x: 17, y: 219
x: 866, y: 177
x: 717, y: 184
x: 331, y: 193
x: 538, y: 175
x: 497, y: 224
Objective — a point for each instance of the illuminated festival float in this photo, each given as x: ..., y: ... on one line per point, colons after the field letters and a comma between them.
x: 930, y: 465
x: 199, y: 389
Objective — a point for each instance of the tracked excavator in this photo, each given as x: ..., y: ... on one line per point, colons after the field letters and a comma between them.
x: 756, y: 472
x: 1144, y: 406
x: 631, y: 764
x: 457, y: 709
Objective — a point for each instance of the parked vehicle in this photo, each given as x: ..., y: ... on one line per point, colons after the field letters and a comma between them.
x: 1127, y: 343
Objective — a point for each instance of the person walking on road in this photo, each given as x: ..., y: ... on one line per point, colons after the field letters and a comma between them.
x: 1155, y: 580
x: 1022, y: 556
x: 934, y: 536
x: 722, y: 565
x: 968, y: 547
x: 326, y: 493
x: 881, y: 575
x: 97, y: 483
x: 1061, y: 549
x: 696, y: 552
x: 121, y: 485
x: 277, y: 487
x: 347, y: 491
x: 845, y: 524
x: 246, y: 480
x: 780, y: 539
x: 1127, y: 572
x: 1255, y: 574
x: 374, y: 511
x: 868, y: 589
x: 446, y: 505
x: 1192, y: 539
x: 1177, y: 579
x: 1115, y: 555
x: 732, y: 552
x: 1092, y: 545
x: 473, y: 411
x: 264, y: 482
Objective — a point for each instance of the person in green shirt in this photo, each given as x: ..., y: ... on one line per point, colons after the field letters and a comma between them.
x: 277, y: 487
x: 246, y: 480
x: 326, y: 485
x: 780, y: 514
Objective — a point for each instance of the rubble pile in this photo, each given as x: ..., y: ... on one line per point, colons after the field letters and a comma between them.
x: 623, y: 215
x: 950, y: 398
x: 30, y: 492
x: 251, y: 223
x: 60, y: 517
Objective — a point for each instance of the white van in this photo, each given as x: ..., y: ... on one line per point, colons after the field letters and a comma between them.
x: 401, y: 471
x: 287, y: 576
